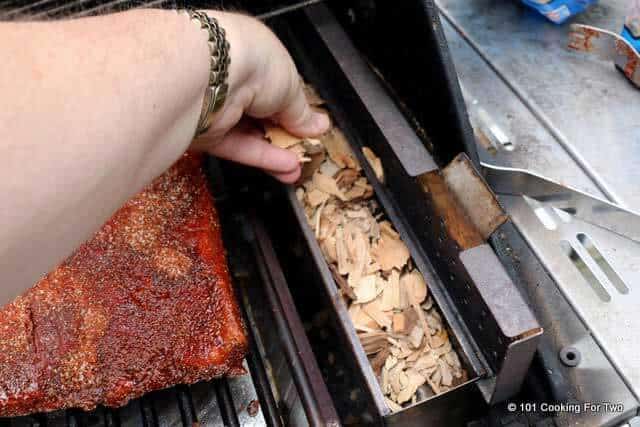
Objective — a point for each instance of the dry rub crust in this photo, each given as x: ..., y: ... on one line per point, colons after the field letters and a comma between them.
x: 145, y: 304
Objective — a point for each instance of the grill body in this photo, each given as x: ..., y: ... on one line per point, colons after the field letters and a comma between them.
x: 385, y: 71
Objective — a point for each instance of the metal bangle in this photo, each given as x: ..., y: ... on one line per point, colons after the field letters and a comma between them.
x: 217, y: 88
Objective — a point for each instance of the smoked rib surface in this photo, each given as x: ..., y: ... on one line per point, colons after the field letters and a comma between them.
x: 145, y: 304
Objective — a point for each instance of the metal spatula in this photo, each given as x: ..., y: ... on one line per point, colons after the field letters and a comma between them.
x: 591, y: 209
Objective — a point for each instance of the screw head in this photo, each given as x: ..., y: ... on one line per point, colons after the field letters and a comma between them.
x: 570, y: 356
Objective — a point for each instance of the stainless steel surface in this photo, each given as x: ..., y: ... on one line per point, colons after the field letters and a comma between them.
x: 610, y: 312
x: 591, y: 209
x: 528, y: 144
x: 517, y: 326
x: 585, y: 104
x: 394, y: 126
x: 608, y: 46
x: 244, y: 396
x: 573, y: 119
x: 594, y: 379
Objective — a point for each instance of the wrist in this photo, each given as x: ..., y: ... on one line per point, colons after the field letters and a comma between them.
x: 233, y: 63
x: 236, y: 27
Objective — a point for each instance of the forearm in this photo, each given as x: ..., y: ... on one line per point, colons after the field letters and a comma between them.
x: 91, y: 111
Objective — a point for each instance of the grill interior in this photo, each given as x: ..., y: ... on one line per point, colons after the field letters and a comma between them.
x: 297, y: 343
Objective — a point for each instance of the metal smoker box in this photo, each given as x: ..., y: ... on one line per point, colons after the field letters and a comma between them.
x: 491, y: 326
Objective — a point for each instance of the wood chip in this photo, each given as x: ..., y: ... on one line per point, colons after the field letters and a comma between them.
x: 328, y: 246
x: 299, y: 151
x: 426, y: 361
x: 316, y: 197
x: 372, y: 267
x: 366, y: 289
x: 442, y: 350
x: 360, y: 318
x: 387, y: 229
x: 316, y: 220
x: 339, y: 150
x: 309, y: 168
x: 439, y: 339
x: 355, y: 193
x: 415, y: 286
x: 347, y: 177
x: 433, y: 322
x: 374, y: 343
x: 398, y: 377
x: 329, y: 168
x: 404, y: 321
x: 374, y: 162
x: 382, y: 318
x: 391, y: 292
x: 415, y: 336
x: 328, y: 185
x: 342, y: 255
x: 280, y: 137
x: 428, y: 304
x: 312, y: 146
x: 434, y: 381
x: 452, y: 360
x: 358, y: 249
x: 378, y: 361
x: 390, y: 253
x: 414, y: 380
x: 445, y: 373
x: 342, y: 283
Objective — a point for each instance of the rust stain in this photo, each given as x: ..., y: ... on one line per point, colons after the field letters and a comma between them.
x: 582, y: 39
x: 633, y: 60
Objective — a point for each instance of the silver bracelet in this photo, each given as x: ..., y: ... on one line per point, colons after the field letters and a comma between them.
x: 216, y: 92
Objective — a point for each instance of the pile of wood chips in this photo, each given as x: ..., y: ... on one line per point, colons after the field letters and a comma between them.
x: 399, y: 327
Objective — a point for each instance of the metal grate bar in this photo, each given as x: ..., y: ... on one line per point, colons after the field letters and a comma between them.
x: 185, y: 402
x: 149, y: 418
x: 94, y: 418
x: 131, y: 414
x: 111, y: 418
x: 256, y: 365
x: 263, y: 388
x: 55, y: 419
x: 71, y: 419
x: 167, y: 407
x: 227, y: 408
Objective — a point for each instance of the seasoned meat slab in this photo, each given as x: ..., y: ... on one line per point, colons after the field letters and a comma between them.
x: 145, y: 304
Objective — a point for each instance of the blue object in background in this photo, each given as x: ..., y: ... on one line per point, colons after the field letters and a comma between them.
x: 558, y: 11
x: 634, y: 41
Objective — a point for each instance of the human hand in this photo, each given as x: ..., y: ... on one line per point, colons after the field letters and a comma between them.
x: 263, y: 84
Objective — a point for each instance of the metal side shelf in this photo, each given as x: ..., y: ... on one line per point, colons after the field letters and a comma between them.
x: 574, y: 119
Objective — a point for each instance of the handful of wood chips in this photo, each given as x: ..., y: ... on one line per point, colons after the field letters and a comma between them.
x: 399, y: 326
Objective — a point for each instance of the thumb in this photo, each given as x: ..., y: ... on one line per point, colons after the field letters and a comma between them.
x: 298, y: 118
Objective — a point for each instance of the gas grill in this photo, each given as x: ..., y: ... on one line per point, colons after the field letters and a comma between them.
x: 384, y: 69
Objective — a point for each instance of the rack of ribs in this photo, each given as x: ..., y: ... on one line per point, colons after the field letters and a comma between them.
x: 146, y: 303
